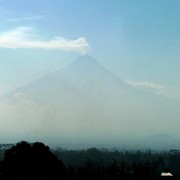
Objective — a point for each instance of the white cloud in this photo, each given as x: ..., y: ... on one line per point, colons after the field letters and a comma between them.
x: 148, y: 85
x: 24, y: 37
x: 7, y: 16
x: 37, y: 17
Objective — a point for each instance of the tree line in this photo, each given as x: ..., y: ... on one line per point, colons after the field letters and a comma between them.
x: 36, y: 161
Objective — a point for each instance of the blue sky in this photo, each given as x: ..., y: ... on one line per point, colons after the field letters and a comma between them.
x: 139, y: 40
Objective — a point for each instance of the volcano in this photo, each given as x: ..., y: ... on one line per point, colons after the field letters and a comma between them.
x: 86, y: 103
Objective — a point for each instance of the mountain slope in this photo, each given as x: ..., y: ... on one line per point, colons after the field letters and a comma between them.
x: 84, y: 75
x: 86, y: 102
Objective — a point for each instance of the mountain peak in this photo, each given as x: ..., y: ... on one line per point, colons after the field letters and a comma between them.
x: 85, y: 57
x: 86, y: 60
x: 87, y: 67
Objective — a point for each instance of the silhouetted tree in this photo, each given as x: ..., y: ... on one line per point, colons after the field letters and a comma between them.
x: 31, y: 161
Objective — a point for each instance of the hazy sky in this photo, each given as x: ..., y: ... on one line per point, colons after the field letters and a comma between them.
x: 139, y: 40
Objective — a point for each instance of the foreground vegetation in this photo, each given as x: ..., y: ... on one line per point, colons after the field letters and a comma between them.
x: 36, y: 161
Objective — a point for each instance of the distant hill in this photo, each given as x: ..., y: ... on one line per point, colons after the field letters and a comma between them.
x: 86, y: 103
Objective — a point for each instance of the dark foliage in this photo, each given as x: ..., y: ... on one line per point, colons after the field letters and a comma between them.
x: 31, y: 161
x: 106, y: 164
x: 25, y: 161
